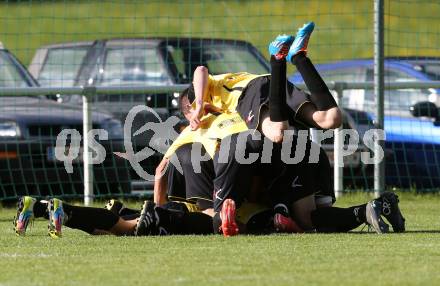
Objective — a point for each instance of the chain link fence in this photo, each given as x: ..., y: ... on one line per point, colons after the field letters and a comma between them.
x: 113, y: 55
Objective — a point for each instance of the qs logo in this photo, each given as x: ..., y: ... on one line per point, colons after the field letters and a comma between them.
x: 163, y: 136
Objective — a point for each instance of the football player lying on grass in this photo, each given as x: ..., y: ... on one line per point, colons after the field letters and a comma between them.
x: 177, y: 218
x: 172, y: 218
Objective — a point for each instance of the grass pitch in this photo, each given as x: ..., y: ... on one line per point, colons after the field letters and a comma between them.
x: 307, y: 259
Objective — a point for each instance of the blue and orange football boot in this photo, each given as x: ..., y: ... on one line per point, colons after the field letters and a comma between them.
x: 301, y: 40
x: 25, y: 213
x: 280, y: 46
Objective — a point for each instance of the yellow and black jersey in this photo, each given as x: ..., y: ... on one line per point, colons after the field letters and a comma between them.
x: 213, y: 128
x: 239, y: 97
x: 224, y: 90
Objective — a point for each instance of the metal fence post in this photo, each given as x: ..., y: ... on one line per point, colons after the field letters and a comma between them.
x: 379, y: 167
x: 314, y: 135
x: 88, y: 94
x: 338, y: 171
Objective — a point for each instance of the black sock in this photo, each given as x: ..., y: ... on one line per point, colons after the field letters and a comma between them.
x: 131, y: 216
x: 180, y: 222
x: 261, y: 223
x: 319, y: 92
x: 332, y: 219
x: 89, y: 219
x: 360, y: 213
x: 170, y: 220
x: 197, y: 223
x: 40, y: 209
x: 277, y: 97
x: 216, y: 223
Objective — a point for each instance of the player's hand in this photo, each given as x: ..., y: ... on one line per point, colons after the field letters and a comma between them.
x: 194, y: 121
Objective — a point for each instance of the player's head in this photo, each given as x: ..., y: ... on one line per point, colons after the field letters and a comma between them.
x: 186, y: 98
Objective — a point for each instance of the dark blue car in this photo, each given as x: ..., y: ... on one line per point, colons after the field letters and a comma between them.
x: 29, y: 126
x: 412, y: 137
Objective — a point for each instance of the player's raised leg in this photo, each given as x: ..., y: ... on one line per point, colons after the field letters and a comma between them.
x: 274, y: 121
x: 322, y: 110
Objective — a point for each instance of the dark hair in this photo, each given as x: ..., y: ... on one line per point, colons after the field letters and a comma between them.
x: 186, y: 93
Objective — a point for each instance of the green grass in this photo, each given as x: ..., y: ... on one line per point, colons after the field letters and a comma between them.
x: 344, y: 28
x: 308, y: 259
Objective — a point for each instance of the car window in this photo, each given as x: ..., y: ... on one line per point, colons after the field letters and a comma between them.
x: 433, y: 70
x: 61, y: 66
x: 348, y: 75
x: 10, y: 75
x: 231, y: 58
x: 396, y: 101
x: 219, y: 58
x: 132, y: 66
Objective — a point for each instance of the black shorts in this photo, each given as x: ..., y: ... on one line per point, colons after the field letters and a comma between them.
x: 290, y: 182
x: 233, y: 180
x: 256, y: 94
x: 317, y: 179
x: 283, y: 182
x: 191, y: 186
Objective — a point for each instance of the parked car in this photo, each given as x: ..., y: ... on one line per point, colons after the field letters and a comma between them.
x: 427, y: 65
x: 141, y: 61
x: 152, y: 61
x: 413, y: 138
x: 29, y: 126
x: 58, y: 65
x: 356, y: 174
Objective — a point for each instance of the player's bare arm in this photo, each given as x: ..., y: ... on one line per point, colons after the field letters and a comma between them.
x: 160, y: 183
x: 200, y: 83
